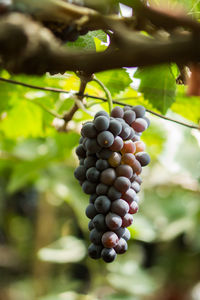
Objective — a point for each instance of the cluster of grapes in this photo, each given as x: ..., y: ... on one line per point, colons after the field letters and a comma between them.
x: 111, y: 157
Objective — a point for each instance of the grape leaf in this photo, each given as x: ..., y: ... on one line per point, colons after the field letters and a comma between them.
x: 87, y: 41
x: 158, y: 86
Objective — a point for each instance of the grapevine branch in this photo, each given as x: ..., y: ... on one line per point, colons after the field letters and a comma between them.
x: 81, y: 94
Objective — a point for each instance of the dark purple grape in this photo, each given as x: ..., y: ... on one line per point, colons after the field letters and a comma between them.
x: 104, y: 154
x: 93, y: 174
x: 132, y: 134
x: 102, y: 113
x: 89, y: 187
x: 108, y: 176
x: 90, y: 225
x: 126, y: 131
x: 113, y: 193
x: 95, y: 236
x: 117, y: 144
x: 88, y: 130
x: 115, y: 127
x: 117, y: 112
x: 120, y: 207
x: 105, y: 139
x: 80, y: 151
x: 129, y: 116
x: 99, y: 222
x: 139, y: 111
x: 143, y: 158
x: 147, y: 120
x: 81, y: 161
x: 102, y: 204
x: 126, y: 234
x: 102, y: 164
x: 113, y: 221
x: 90, y: 161
x: 121, y: 247
x: 81, y: 140
x: 93, y: 198
x: 101, y: 123
x: 94, y: 251
x: 120, y: 232
x: 108, y: 255
x: 80, y: 173
x: 90, y: 211
x: 124, y: 170
x: 102, y: 189
x: 92, y: 146
x: 109, y: 239
x: 122, y: 184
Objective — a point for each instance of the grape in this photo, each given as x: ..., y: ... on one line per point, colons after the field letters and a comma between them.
x: 129, y: 196
x: 140, y: 146
x: 132, y: 134
x: 127, y: 108
x: 115, y: 159
x: 127, y: 220
x: 147, y: 120
x: 101, y: 123
x: 117, y: 144
x: 90, y: 211
x: 113, y: 221
x: 126, y: 131
x: 89, y: 187
x: 138, y: 179
x: 124, y: 170
x: 133, y: 208
x: 80, y: 173
x: 139, y: 125
x: 120, y: 232
x: 90, y: 225
x: 108, y: 255
x: 104, y: 154
x: 94, y: 251
x: 129, y: 116
x: 143, y: 158
x: 93, y: 174
x: 92, y: 146
x: 121, y: 247
x: 105, y: 139
x: 113, y: 194
x: 128, y: 147
x: 122, y: 184
x: 120, y: 207
x: 126, y: 234
x: 115, y: 127
x: 80, y: 151
x: 90, y: 161
x: 81, y: 140
x: 101, y: 189
x: 136, y: 138
x: 99, y: 222
x: 81, y: 161
x: 139, y: 111
x: 101, y: 113
x: 135, y: 186
x: 109, y: 239
x: 95, y: 236
x: 129, y: 159
x: 102, y: 204
x: 117, y: 112
x: 108, y: 176
x: 93, y: 198
x: 88, y: 130
x: 102, y: 164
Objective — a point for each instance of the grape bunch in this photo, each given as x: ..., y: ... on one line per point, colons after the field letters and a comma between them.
x: 111, y: 157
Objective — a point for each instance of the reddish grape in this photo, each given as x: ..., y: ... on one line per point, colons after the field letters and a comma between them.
x: 139, y: 125
x: 140, y: 146
x: 129, y: 195
x: 135, y: 186
x: 128, y: 147
x: 109, y: 239
x: 127, y: 220
x: 117, y: 144
x: 121, y: 247
x: 115, y: 159
x: 122, y: 184
x: 113, y: 221
x: 120, y: 207
x: 133, y: 208
x: 124, y: 170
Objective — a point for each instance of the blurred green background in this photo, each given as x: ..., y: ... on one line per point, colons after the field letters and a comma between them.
x: 43, y: 227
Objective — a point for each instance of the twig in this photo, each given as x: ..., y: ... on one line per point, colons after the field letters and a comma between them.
x: 55, y: 90
x: 107, y: 92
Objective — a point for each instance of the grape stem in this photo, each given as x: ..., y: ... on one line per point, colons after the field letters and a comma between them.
x: 56, y: 90
x: 107, y: 92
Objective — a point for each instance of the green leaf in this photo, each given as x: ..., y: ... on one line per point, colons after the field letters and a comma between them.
x: 158, y: 86
x: 87, y: 41
x: 115, y: 80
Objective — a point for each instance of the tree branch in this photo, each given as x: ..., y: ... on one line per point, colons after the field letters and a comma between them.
x: 115, y: 101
